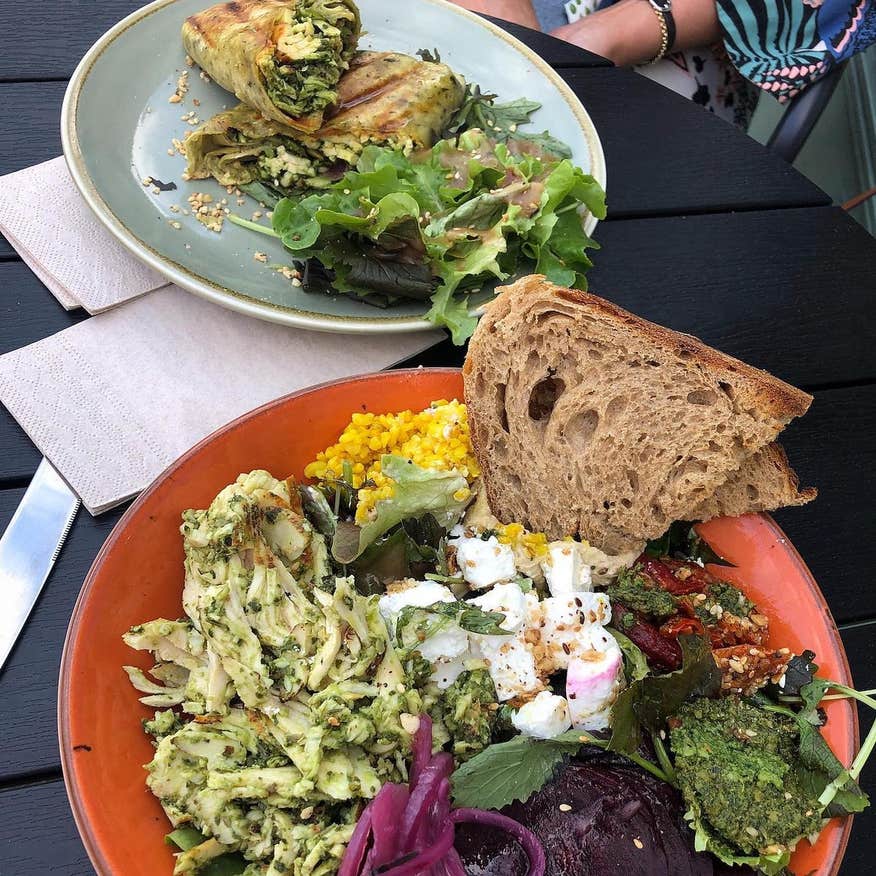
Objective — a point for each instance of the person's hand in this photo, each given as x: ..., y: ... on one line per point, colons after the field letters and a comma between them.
x: 592, y: 34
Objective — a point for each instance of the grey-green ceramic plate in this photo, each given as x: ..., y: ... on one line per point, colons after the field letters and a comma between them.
x: 117, y: 127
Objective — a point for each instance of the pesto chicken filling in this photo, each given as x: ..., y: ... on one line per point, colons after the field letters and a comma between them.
x: 295, y: 705
x: 312, y: 48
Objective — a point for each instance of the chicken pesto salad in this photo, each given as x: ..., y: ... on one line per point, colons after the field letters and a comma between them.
x: 369, y: 662
x: 387, y: 177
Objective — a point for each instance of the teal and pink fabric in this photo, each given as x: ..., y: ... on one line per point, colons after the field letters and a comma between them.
x: 784, y: 45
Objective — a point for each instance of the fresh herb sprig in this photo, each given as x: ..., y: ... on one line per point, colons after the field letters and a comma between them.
x: 500, y: 120
x: 513, y: 770
x: 467, y: 616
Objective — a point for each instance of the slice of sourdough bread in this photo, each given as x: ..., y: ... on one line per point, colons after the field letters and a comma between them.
x: 764, y: 482
x: 589, y: 420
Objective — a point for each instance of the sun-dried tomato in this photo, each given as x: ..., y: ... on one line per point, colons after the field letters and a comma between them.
x: 664, y: 577
x: 674, y: 627
x: 689, y: 571
x: 665, y: 653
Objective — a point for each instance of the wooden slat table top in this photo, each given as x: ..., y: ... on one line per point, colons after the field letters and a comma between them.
x: 707, y: 232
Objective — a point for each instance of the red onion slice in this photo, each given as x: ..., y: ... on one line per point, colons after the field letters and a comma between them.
x: 423, y: 795
x: 351, y: 865
x: 453, y: 865
x: 411, y: 828
x: 423, y: 862
x: 389, y: 807
x: 421, y: 748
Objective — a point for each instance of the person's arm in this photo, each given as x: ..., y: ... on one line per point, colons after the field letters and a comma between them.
x: 629, y: 32
x: 518, y: 11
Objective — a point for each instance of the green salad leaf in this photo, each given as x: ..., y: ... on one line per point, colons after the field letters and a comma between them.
x: 418, y: 491
x: 501, y: 120
x: 513, y: 770
x: 434, y: 226
x: 469, y: 617
x: 187, y: 838
x: 649, y: 701
x: 635, y: 663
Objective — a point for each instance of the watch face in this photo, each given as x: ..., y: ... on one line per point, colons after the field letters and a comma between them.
x: 661, y: 5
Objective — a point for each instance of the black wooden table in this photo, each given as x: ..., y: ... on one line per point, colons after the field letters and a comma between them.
x: 707, y: 232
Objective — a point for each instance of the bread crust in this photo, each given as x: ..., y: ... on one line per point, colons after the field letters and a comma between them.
x: 764, y: 482
x: 564, y: 352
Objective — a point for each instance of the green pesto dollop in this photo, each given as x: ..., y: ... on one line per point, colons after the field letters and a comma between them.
x: 736, y: 767
x: 470, y: 711
x: 636, y: 592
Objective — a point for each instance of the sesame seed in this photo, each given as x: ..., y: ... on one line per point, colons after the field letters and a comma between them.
x: 565, y: 807
x: 638, y: 843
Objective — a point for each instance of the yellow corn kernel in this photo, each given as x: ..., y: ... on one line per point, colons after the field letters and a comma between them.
x: 436, y: 438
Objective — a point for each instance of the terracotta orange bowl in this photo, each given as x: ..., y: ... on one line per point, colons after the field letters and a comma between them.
x: 138, y: 575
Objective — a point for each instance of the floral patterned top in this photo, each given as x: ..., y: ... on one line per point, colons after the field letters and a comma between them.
x: 784, y: 45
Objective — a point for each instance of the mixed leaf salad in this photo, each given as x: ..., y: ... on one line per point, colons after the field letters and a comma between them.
x: 435, y: 225
x: 370, y: 660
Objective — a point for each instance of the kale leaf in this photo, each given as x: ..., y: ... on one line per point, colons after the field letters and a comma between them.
x: 648, y: 702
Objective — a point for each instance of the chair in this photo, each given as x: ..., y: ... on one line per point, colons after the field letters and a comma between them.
x: 803, y: 112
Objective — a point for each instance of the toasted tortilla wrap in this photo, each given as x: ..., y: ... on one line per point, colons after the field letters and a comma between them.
x: 283, y: 58
x: 385, y: 98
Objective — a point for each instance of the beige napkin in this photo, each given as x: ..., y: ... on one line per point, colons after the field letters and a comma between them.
x: 115, y: 399
x: 44, y: 217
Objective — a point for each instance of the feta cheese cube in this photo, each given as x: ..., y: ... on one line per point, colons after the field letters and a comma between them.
x: 565, y: 570
x: 544, y: 717
x: 511, y: 664
x: 508, y: 599
x: 450, y: 641
x: 445, y: 670
x: 593, y: 681
x: 484, y: 562
x: 568, y: 624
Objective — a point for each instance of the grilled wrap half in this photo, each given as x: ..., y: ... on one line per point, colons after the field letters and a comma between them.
x: 283, y: 58
x: 386, y: 99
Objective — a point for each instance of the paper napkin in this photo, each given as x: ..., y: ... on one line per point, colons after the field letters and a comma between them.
x: 44, y: 217
x: 113, y: 400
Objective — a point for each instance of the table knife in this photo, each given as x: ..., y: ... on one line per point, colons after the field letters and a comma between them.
x: 29, y: 547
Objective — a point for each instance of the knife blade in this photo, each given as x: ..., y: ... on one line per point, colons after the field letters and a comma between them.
x: 29, y: 547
